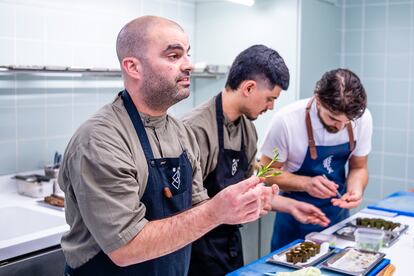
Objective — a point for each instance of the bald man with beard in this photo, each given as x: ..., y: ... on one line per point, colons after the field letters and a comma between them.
x: 131, y: 173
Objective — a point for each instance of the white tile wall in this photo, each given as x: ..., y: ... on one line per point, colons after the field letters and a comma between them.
x: 39, y: 114
x: 385, y: 64
x: 76, y: 33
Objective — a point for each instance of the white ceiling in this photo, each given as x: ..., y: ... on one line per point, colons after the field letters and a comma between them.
x: 198, y: 1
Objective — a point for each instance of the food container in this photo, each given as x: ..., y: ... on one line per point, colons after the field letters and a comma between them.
x: 51, y: 171
x: 369, y: 239
x: 321, y: 238
x: 34, y: 185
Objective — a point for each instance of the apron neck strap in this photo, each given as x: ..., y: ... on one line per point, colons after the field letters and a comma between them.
x: 311, y: 139
x: 138, y: 125
x: 351, y: 137
x: 220, y: 123
x: 219, y: 120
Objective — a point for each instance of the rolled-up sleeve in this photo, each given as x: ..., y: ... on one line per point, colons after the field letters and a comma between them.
x: 199, y: 192
x: 107, y: 192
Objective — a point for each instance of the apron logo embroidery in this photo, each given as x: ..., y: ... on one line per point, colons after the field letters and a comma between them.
x: 327, y: 164
x: 176, y: 178
x: 234, y: 166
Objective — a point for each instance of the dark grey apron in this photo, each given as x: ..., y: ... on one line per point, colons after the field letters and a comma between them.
x: 168, y: 192
x: 220, y: 250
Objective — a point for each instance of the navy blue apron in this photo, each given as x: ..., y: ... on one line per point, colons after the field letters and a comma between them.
x: 319, y: 160
x: 220, y: 250
x: 168, y: 191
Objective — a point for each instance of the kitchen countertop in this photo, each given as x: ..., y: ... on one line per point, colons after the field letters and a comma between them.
x: 400, y: 253
x: 25, y: 242
x: 29, y: 226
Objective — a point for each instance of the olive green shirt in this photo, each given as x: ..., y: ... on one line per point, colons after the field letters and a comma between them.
x: 104, y: 174
x: 202, y: 120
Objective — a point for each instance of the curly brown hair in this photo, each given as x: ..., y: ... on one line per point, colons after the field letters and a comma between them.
x: 342, y: 92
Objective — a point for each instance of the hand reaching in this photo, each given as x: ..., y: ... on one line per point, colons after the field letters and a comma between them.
x: 349, y: 200
x: 308, y: 214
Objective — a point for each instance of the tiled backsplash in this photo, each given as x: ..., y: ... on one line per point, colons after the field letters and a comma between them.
x: 378, y: 44
x: 38, y: 114
x: 36, y: 120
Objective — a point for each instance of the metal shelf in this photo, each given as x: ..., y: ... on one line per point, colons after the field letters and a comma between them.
x: 59, y: 70
x: 209, y: 71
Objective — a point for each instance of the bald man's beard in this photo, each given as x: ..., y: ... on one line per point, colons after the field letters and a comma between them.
x: 160, y: 93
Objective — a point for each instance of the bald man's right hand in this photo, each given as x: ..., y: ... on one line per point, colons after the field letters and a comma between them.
x: 239, y: 203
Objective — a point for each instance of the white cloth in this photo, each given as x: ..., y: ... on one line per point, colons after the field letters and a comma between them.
x: 288, y: 133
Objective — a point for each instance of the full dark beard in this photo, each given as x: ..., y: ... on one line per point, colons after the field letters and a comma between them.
x: 330, y: 129
x: 159, y: 93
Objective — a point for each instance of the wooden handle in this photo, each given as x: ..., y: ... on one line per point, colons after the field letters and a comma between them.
x: 387, y: 271
x: 167, y: 192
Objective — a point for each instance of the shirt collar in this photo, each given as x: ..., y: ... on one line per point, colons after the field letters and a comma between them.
x: 147, y: 120
x: 153, y: 121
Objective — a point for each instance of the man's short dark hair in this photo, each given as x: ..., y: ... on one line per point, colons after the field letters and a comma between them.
x: 341, y: 91
x: 259, y: 63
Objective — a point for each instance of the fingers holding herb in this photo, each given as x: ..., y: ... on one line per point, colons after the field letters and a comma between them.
x: 267, y: 171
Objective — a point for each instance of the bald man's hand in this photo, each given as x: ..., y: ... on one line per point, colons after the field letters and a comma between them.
x: 239, y: 203
x: 269, y: 193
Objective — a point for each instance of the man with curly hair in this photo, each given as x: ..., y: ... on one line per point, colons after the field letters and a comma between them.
x: 317, y: 138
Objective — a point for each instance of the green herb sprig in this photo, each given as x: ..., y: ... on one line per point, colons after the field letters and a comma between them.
x: 267, y: 171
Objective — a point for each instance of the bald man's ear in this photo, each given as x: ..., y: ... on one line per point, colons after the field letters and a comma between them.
x: 132, y: 67
x: 247, y: 87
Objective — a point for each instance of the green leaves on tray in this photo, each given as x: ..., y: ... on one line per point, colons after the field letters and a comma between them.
x: 267, y: 171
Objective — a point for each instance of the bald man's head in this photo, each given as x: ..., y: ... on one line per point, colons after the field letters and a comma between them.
x: 133, y: 37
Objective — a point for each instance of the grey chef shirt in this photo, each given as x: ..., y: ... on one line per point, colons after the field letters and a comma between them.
x: 104, y: 174
x: 202, y: 120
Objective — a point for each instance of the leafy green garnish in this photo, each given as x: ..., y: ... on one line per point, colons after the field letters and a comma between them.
x: 267, y: 171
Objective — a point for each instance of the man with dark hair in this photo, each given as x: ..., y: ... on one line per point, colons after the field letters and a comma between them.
x: 131, y: 173
x: 227, y: 139
x: 316, y: 138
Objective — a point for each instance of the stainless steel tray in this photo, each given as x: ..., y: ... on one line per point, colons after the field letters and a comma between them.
x: 330, y: 262
x: 347, y: 233
x: 399, y: 230
x: 313, y: 260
